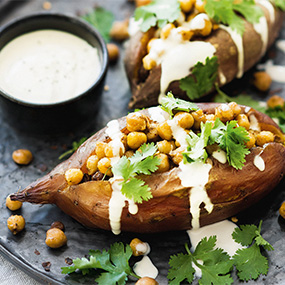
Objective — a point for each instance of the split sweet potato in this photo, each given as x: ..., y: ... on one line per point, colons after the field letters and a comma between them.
x: 230, y: 190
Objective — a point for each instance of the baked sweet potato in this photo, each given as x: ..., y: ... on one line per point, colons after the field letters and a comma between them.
x: 145, y: 82
x: 228, y: 190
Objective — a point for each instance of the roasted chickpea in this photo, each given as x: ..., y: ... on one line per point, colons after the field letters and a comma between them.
x: 224, y: 113
x: 55, y: 238
x: 275, y: 101
x: 177, y: 156
x: 100, y: 149
x: 113, y: 52
x: 185, y: 120
x: 282, y: 210
x: 264, y: 137
x: 22, y: 156
x: 146, y: 281
x: 210, y: 117
x: 165, y: 31
x: 207, y: 29
x: 13, y: 205
x: 186, y: 5
x: 262, y: 80
x: 104, y: 166
x: 164, y: 146
x: 148, y: 62
x: 91, y: 164
x: 139, y: 247
x: 243, y: 121
x: 152, y: 133
x: 164, y: 163
x: 164, y: 131
x: 251, y: 143
x: 142, y: 2
x: 119, y: 30
x: 16, y: 223
x: 235, y: 108
x: 110, y: 147
x: 58, y: 225
x: 185, y: 33
x: 199, y: 117
x: 136, y: 139
x: 150, y: 44
x: 200, y: 6
x: 136, y: 122
x: 129, y: 153
x: 73, y: 176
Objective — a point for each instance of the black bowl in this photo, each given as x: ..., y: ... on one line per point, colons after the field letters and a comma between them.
x: 65, y: 116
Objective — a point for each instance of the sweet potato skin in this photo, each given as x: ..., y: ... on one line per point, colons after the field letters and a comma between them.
x: 230, y: 190
x: 145, y: 85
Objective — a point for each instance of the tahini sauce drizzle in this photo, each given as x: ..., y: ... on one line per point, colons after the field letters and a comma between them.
x: 118, y: 200
x: 237, y: 39
x: 145, y: 268
x: 262, y: 29
x: 269, y: 7
x: 48, y: 66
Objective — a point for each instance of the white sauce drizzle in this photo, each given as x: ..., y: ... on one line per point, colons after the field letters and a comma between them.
x: 222, y: 77
x: 269, y: 7
x: 281, y: 45
x: 237, y: 39
x: 276, y: 72
x: 196, y: 175
x: 118, y: 200
x: 223, y: 230
x: 178, y: 132
x: 143, y: 247
x: 254, y: 124
x: 158, y: 115
x: 145, y: 268
x: 48, y: 66
x: 262, y: 29
x: 220, y: 156
x: 197, y: 23
x: 259, y: 162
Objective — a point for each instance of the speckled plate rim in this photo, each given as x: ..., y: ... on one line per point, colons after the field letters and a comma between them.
x: 22, y: 265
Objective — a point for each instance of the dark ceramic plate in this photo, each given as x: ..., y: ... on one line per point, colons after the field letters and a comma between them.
x: 22, y: 249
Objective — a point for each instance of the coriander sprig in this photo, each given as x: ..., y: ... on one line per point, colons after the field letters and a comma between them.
x: 142, y: 162
x: 114, y: 263
x: 75, y: 146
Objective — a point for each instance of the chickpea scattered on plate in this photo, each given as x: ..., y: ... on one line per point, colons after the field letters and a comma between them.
x: 146, y: 281
x: 55, y: 238
x: 16, y: 223
x: 22, y: 156
x: 282, y: 210
x: 13, y: 205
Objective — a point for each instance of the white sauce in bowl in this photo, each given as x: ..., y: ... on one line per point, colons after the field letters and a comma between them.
x: 48, y: 66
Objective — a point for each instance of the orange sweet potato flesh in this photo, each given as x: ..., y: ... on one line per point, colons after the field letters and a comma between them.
x: 230, y: 190
x: 145, y: 85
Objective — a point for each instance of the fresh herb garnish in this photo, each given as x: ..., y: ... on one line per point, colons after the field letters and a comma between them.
x: 158, y: 12
x: 197, y: 143
x: 204, y: 77
x: 114, y: 263
x: 225, y: 11
x: 102, y: 20
x: 229, y: 137
x: 249, y: 261
x: 75, y: 146
x: 169, y: 104
x: 279, y: 114
x: 279, y: 4
x: 142, y: 162
x: 216, y: 265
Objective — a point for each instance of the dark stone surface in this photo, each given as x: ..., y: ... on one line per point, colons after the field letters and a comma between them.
x: 28, y: 250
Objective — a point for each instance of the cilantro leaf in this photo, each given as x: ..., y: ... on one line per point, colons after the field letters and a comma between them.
x: 279, y: 4
x: 102, y: 20
x: 170, y: 104
x: 114, y: 263
x: 215, y: 264
x: 158, y: 12
x: 250, y: 263
x: 279, y: 114
x: 142, y: 162
x: 233, y: 142
x: 225, y: 11
x: 181, y: 269
x: 204, y: 77
x: 196, y: 149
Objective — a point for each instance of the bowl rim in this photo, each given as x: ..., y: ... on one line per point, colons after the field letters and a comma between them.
x: 75, y: 21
